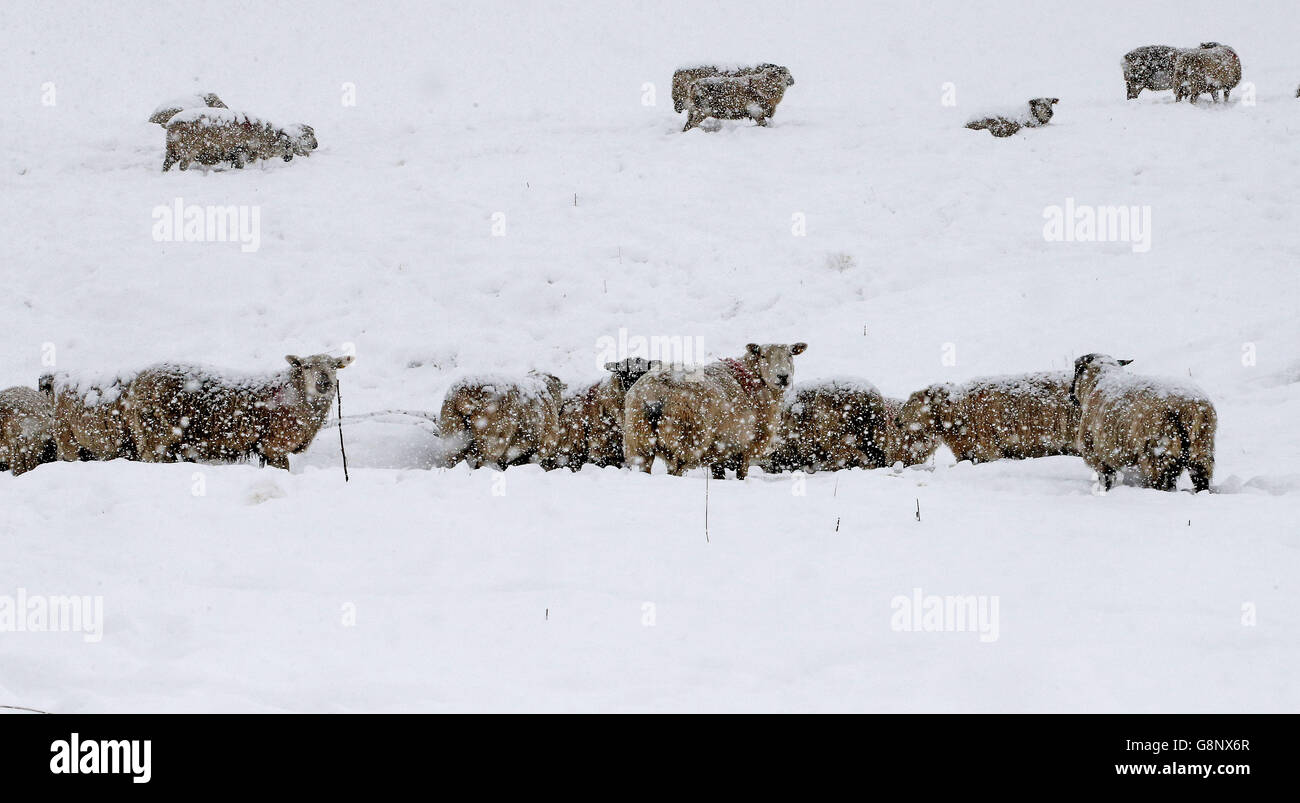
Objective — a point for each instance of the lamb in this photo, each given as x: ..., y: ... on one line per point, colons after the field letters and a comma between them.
x: 170, y: 108
x: 192, y: 413
x: 1015, y: 417
x: 26, y: 430
x: 721, y: 415
x: 1038, y: 114
x: 1158, y: 427
x: 1208, y: 69
x: 1149, y: 67
x: 213, y: 136
x: 499, y: 421
x: 831, y: 425
x: 90, y: 416
x: 591, y: 420
x: 736, y: 97
x: 685, y: 76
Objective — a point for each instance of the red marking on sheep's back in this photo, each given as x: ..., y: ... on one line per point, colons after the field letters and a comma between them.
x: 743, y: 375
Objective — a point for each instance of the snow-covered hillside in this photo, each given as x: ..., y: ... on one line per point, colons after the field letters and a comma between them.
x: 509, y: 191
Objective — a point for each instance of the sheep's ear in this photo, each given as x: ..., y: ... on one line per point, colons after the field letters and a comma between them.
x: 1123, y: 362
x: 754, y: 348
x: 295, y: 361
x: 798, y: 348
x: 653, y: 364
x: 344, y: 362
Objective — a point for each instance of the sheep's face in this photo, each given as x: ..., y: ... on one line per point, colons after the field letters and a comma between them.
x: 925, y: 411
x: 316, y: 377
x: 1087, y: 370
x: 305, y: 142
x: 1042, y: 108
x: 773, y: 363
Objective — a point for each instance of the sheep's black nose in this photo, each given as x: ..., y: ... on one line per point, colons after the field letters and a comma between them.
x: 783, y: 380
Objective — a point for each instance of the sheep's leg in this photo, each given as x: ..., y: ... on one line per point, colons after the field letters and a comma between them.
x: 761, y: 120
x: 168, y: 161
x: 1200, y: 474
x: 719, y: 471
x: 277, y: 460
x: 693, y: 119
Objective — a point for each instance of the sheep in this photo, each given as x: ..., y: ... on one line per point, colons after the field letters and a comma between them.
x: 990, y: 418
x: 685, y: 76
x: 26, y: 430
x: 192, y: 413
x: 1158, y: 427
x: 591, y: 420
x: 1149, y: 67
x: 489, y: 420
x: 212, y: 136
x: 721, y: 415
x: 900, y: 444
x: 735, y: 97
x: 1038, y: 114
x: 170, y: 108
x: 831, y: 425
x: 90, y: 416
x: 1208, y: 69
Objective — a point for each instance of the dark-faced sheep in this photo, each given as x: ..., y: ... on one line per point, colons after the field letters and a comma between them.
x: 1158, y: 427
x: 197, y: 414
x: 26, y: 430
x: 992, y: 418
x: 502, y: 422
x: 721, y: 415
x: 736, y: 97
x: 1149, y: 67
x: 685, y: 76
x: 216, y: 136
x: 170, y: 108
x: 1209, y: 69
x: 591, y: 420
x: 90, y: 416
x: 1038, y: 113
x: 831, y: 425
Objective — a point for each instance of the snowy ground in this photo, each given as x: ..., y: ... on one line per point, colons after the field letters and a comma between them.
x: 231, y: 589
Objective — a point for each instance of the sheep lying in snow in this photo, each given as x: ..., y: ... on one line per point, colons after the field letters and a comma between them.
x: 90, y: 416
x: 722, y: 415
x: 1158, y: 427
x: 591, y: 420
x: 831, y: 425
x: 1038, y: 114
x: 736, y: 97
x: 214, y: 136
x: 685, y: 76
x: 1016, y: 417
x: 1208, y: 69
x: 170, y: 108
x: 503, y: 422
x: 1149, y: 67
x: 26, y: 430
x: 196, y: 414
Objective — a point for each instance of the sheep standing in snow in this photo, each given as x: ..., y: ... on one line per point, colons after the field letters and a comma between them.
x: 1149, y: 67
x: 721, y: 415
x: 1015, y: 417
x: 501, y: 421
x: 1158, y: 427
x: 902, y: 445
x: 736, y: 97
x: 90, y: 416
x: 591, y: 420
x: 196, y: 414
x: 831, y: 425
x: 1038, y: 114
x: 685, y: 76
x: 170, y: 108
x: 1208, y: 69
x: 26, y: 430
x: 214, y: 136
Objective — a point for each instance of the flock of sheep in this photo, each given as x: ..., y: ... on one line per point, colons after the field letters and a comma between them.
x: 745, y: 411
x: 201, y: 128
x: 730, y: 414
